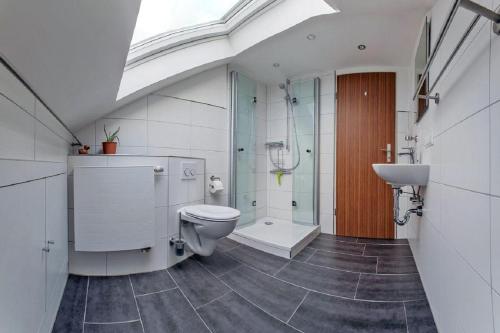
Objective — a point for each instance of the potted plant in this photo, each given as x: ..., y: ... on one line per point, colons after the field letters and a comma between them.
x: 109, y: 147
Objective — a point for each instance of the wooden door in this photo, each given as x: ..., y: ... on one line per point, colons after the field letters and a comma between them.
x: 366, y: 115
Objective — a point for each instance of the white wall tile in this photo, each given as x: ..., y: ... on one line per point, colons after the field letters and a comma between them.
x: 168, y: 135
x: 86, y: 263
x: 327, y: 124
x: 132, y: 132
x: 466, y: 224
x: 169, y: 109
x: 209, y: 116
x: 209, y: 87
x: 44, y: 116
x: 327, y: 104
x: 134, y: 110
x: 495, y: 148
x: 11, y: 87
x: 48, y: 146
x: 327, y: 144
x: 87, y: 136
x: 326, y: 223
x: 280, y: 200
x: 495, y: 243
x: 18, y: 171
x: 208, y: 138
x: 495, y: 65
x: 277, y: 110
x: 17, y: 132
x: 282, y: 214
x: 465, y: 89
x: 126, y: 262
x: 465, y: 154
x: 496, y: 308
x: 327, y: 84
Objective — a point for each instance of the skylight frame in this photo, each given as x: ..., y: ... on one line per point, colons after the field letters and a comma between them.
x: 164, y: 43
x: 235, y: 9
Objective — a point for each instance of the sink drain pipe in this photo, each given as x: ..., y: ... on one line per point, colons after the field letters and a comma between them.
x: 416, y: 199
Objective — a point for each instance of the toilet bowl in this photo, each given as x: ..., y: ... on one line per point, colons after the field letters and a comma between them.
x: 203, y: 225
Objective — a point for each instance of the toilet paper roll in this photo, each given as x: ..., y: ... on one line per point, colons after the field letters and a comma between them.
x: 216, y: 186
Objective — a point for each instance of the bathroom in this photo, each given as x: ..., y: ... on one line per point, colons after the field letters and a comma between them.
x: 279, y: 167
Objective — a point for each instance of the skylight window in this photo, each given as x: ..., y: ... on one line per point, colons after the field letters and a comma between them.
x: 160, y: 16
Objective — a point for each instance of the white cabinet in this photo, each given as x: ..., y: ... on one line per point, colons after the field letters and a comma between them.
x: 56, y: 231
x: 32, y: 280
x: 22, y: 261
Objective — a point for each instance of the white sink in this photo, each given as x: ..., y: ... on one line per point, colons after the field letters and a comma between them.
x: 398, y: 175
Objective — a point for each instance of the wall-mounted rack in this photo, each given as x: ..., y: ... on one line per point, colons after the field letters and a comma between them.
x: 480, y: 11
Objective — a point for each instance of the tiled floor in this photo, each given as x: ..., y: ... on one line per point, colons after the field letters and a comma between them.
x: 337, y: 284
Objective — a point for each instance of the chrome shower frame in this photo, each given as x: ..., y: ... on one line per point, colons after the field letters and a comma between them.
x: 232, y: 144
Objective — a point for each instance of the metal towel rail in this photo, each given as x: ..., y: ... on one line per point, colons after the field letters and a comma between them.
x: 480, y: 12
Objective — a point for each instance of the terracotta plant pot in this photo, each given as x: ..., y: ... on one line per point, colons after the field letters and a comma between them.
x: 109, y: 147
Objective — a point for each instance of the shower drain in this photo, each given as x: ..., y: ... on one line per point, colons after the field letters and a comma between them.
x: 268, y: 223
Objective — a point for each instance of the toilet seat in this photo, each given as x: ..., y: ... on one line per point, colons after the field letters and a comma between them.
x: 212, y: 213
x: 202, y: 225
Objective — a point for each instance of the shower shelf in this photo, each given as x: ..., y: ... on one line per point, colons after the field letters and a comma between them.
x: 275, y: 144
x: 284, y: 172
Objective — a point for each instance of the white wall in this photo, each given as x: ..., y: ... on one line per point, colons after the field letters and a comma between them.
x: 189, y: 118
x: 33, y: 193
x: 457, y: 242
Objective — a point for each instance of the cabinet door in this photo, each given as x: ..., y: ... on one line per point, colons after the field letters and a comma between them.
x: 56, y: 220
x: 22, y: 261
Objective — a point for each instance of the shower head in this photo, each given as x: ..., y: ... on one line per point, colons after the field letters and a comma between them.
x: 282, y: 86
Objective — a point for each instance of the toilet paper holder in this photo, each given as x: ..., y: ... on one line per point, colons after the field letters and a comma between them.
x: 213, y: 178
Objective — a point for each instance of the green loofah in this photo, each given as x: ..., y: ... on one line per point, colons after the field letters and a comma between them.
x: 279, y: 174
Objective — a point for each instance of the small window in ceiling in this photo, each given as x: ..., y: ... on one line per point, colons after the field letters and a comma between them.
x: 160, y: 16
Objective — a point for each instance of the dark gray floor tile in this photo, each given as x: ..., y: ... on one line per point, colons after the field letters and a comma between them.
x: 321, y: 313
x: 339, y: 238
x: 232, y: 313
x: 70, y: 314
x: 396, y: 265
x: 330, y: 281
x: 349, y: 262
x: 169, y: 311
x: 390, y: 287
x: 304, y: 254
x: 199, y: 286
x: 131, y: 327
x: 419, y: 317
x: 262, y: 261
x: 387, y: 250
x: 382, y: 241
x: 110, y: 299
x: 326, y: 244
x: 278, y: 298
x: 218, y: 263
x: 146, y: 283
x: 226, y: 244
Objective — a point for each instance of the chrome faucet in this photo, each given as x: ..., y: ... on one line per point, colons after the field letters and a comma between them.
x: 410, y: 152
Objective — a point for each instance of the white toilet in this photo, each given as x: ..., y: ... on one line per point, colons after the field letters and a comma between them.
x: 203, y: 225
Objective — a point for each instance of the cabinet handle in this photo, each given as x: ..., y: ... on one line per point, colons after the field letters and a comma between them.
x: 46, y: 249
x: 51, y: 242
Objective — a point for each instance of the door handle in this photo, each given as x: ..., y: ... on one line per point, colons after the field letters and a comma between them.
x: 388, y: 152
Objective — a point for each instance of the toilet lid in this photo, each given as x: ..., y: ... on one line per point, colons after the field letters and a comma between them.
x: 210, y: 212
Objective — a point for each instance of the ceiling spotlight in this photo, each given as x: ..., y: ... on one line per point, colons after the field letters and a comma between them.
x: 361, y: 47
x: 311, y: 37
x: 276, y: 65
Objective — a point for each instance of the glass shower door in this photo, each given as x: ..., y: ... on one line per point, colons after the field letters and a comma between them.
x: 306, y: 114
x: 244, y: 147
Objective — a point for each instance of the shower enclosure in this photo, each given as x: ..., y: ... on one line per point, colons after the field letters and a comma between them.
x: 294, y: 157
